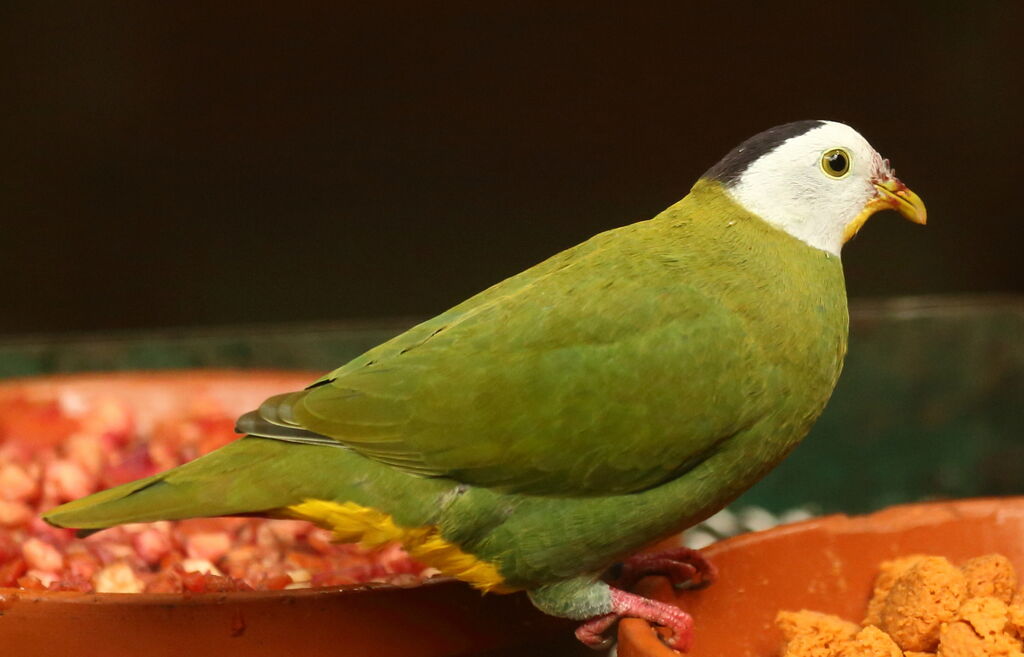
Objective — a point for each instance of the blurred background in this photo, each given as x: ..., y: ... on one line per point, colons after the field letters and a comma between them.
x: 201, y: 164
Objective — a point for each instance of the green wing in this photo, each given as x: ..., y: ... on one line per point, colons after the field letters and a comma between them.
x: 611, y: 367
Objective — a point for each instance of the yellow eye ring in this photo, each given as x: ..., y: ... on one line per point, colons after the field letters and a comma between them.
x: 836, y: 163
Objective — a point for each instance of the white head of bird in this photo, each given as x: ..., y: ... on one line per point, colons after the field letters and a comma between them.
x: 817, y: 180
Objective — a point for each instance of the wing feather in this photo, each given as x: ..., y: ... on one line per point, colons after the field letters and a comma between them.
x: 609, y: 368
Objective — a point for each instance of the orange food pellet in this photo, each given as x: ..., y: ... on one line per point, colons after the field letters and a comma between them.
x: 927, y: 595
x: 990, y: 575
x: 870, y: 642
x: 813, y: 634
x: 888, y: 573
x: 959, y: 639
x: 986, y: 615
x: 924, y: 607
x: 1015, y: 615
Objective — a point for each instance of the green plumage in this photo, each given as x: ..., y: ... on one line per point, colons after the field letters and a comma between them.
x: 616, y: 393
x: 613, y: 367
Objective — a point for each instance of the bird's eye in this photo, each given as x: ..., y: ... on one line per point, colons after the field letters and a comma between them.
x: 836, y: 162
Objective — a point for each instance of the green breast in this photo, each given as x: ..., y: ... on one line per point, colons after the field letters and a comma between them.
x: 790, y: 296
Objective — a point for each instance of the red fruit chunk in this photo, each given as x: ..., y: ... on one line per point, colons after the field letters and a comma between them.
x: 12, y: 570
x: 30, y: 583
x: 210, y: 546
x: 16, y: 484
x: 215, y: 432
x: 277, y: 582
x: 165, y: 582
x: 67, y: 480
x: 88, y: 451
x: 151, y: 545
x: 81, y: 564
x: 13, y: 514
x: 118, y: 577
x: 72, y: 583
x: 110, y: 419
x: 39, y: 422
x: 194, y: 582
x: 10, y: 547
x: 135, y: 465
x: 42, y: 556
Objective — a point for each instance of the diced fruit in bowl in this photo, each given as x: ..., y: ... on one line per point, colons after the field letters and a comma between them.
x: 60, y: 445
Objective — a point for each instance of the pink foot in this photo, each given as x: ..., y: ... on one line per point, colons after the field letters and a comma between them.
x: 592, y: 632
x: 685, y: 567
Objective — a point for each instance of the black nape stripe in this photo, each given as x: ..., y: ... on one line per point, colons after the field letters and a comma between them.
x: 736, y: 162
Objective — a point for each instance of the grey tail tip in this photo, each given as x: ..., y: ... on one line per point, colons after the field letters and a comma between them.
x: 79, y: 533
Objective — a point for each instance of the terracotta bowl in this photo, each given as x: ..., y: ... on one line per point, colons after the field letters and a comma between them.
x: 441, y: 617
x: 826, y: 564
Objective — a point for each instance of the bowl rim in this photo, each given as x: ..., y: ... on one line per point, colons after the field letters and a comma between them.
x: 10, y: 594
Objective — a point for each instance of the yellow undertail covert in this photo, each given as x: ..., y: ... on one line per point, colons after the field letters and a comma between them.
x: 352, y: 523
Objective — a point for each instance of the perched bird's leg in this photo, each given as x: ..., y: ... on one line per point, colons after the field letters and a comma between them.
x: 686, y: 568
x: 601, y: 606
x: 630, y: 605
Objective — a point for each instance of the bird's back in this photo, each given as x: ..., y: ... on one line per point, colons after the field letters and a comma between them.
x: 611, y: 367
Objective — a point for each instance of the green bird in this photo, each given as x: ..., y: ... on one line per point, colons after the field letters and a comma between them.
x: 552, y: 425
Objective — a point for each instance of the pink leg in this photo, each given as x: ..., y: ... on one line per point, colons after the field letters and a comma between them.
x: 626, y: 604
x: 685, y: 567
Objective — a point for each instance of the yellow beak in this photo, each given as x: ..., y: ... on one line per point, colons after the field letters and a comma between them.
x: 892, y: 195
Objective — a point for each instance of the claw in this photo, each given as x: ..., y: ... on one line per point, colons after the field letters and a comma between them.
x: 592, y: 632
x: 686, y: 568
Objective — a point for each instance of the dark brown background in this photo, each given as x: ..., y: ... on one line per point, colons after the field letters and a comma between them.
x: 168, y: 164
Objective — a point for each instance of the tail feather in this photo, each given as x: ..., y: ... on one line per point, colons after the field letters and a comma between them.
x: 262, y: 477
x: 81, y: 513
x: 224, y: 482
